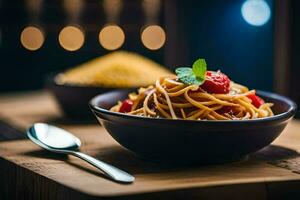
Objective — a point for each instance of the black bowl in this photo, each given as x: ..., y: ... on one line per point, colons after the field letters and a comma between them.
x: 73, y: 99
x: 192, y: 141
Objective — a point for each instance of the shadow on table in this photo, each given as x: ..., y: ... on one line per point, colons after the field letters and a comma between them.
x: 47, y: 155
x: 275, y: 152
x: 280, y: 157
x: 115, y: 155
x: 63, y: 157
x: 127, y: 161
x: 130, y: 162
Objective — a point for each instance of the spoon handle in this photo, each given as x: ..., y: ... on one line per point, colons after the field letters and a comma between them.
x: 111, y: 171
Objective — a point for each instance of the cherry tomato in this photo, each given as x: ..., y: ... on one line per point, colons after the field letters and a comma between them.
x: 126, y: 106
x: 216, y: 82
x: 256, y: 100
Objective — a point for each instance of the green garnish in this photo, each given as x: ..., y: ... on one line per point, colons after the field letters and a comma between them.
x: 194, y: 75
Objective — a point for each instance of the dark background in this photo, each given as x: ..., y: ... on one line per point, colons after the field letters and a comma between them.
x: 262, y: 57
x: 217, y: 32
x: 214, y: 30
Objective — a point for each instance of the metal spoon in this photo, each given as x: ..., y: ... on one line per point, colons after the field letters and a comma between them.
x: 57, y: 140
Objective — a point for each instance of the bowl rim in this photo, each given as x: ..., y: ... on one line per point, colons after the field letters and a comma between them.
x: 284, y: 115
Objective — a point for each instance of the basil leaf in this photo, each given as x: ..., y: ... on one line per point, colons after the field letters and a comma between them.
x: 199, y: 68
x: 194, y: 75
x: 187, y: 76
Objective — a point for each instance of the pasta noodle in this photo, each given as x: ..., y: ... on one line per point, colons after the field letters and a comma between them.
x: 119, y: 69
x: 172, y: 99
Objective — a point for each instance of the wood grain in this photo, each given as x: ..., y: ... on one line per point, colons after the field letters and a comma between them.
x: 73, y: 173
x: 28, y: 172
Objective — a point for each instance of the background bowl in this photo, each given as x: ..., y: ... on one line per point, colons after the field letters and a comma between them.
x: 192, y: 141
x: 73, y: 99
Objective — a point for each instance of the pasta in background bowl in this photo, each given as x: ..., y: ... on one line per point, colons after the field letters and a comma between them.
x: 74, y: 88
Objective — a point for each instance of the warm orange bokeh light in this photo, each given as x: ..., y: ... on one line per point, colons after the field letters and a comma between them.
x: 71, y: 38
x: 32, y: 38
x: 153, y: 37
x: 111, y: 37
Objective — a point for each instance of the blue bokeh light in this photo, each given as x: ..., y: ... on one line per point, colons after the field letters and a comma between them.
x: 256, y: 12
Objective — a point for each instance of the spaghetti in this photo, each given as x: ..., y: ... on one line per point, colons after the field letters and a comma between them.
x: 171, y: 98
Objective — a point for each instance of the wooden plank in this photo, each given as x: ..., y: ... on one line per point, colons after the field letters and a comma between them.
x: 150, y: 177
x: 22, y: 109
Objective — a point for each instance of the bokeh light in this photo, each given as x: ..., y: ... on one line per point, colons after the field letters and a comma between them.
x: 256, y: 12
x: 32, y: 38
x: 111, y: 37
x: 71, y: 38
x: 153, y: 37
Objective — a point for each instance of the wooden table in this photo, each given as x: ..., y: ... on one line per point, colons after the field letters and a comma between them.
x: 28, y: 172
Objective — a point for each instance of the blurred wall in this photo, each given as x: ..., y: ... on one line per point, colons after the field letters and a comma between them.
x: 214, y: 30
x: 23, y: 69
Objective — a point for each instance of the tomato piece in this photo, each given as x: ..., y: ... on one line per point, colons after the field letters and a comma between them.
x: 256, y: 100
x: 126, y: 106
x: 216, y: 83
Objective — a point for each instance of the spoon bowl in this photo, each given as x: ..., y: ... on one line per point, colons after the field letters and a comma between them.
x: 54, y: 137
x: 57, y: 140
